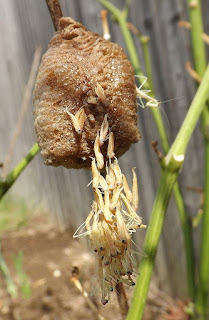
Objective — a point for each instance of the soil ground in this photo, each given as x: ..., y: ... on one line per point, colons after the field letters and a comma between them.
x: 48, y: 258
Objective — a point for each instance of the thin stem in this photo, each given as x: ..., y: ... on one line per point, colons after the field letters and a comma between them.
x: 144, y: 40
x: 199, y: 54
x: 11, y: 288
x: 131, y: 47
x: 155, y: 111
x: 55, y: 12
x: 126, y: 8
x: 78, y: 285
x: 167, y: 180
x: 111, y: 8
x: 14, y: 174
x: 195, y: 14
x: 186, y: 226
x: 200, y: 65
x: 202, y: 294
x: 183, y: 216
x: 154, y: 230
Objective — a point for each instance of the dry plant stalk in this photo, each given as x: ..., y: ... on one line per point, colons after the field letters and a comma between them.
x: 184, y: 24
x: 112, y: 220
x: 192, y: 72
x: 81, y: 78
x: 105, y: 25
x: 76, y: 282
x: 55, y: 12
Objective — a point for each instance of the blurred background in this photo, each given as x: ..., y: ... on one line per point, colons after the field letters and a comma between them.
x: 63, y: 193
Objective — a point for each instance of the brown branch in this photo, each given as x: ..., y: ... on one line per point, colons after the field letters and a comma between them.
x: 133, y: 29
x: 55, y: 12
x: 158, y: 153
x: 105, y: 25
x: 194, y: 75
x: 184, y: 24
x: 76, y: 282
x: 122, y: 300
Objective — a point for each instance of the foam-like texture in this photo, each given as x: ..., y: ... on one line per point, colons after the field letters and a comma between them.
x: 76, y: 61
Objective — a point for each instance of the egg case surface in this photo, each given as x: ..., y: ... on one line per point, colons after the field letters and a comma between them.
x: 82, y: 70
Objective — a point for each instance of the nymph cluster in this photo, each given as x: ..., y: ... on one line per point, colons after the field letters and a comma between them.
x: 113, y: 217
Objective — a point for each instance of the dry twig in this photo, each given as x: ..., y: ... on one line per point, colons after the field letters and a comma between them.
x: 76, y: 282
x: 192, y: 72
x: 105, y: 26
x: 133, y: 29
x: 184, y: 24
x: 158, y: 153
x: 55, y: 12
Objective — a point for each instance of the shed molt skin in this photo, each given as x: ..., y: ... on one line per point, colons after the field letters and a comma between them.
x: 83, y: 71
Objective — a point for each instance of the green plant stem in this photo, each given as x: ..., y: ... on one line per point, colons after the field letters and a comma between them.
x: 11, y: 288
x: 14, y: 174
x: 155, y: 111
x: 24, y: 282
x: 111, y: 8
x: 126, y: 8
x: 131, y: 48
x: 183, y: 216
x: 199, y: 55
x: 195, y: 15
x: 185, y: 223
x: 154, y: 230
x: 202, y: 293
x: 167, y: 180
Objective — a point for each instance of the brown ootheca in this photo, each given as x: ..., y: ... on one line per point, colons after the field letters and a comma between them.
x: 83, y: 78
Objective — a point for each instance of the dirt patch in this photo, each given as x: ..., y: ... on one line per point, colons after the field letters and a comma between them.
x: 48, y: 258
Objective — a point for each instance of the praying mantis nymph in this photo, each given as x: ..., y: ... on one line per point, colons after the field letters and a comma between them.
x: 103, y: 131
x: 115, y: 198
x: 107, y: 214
x: 110, y: 177
x: 113, y: 217
x: 99, y: 199
x: 117, y: 172
x: 101, y: 94
x: 98, y: 155
x: 135, y: 197
x: 95, y: 174
x: 127, y: 190
x: 78, y: 120
x: 143, y: 94
x: 110, y: 148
